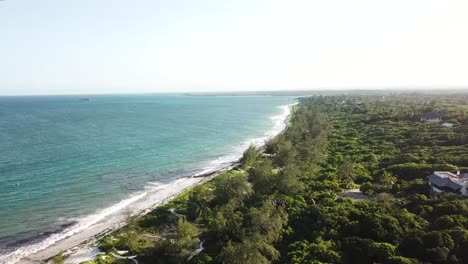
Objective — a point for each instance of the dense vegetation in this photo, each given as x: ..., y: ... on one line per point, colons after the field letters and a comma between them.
x: 285, y: 204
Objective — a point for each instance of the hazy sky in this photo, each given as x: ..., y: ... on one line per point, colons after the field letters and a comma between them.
x: 114, y: 46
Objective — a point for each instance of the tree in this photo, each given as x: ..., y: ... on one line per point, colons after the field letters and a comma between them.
x: 288, y: 181
x: 387, y: 178
x: 401, y: 260
x: 359, y: 250
x: 266, y: 223
x: 184, y: 241
x: 286, y: 154
x: 346, y: 170
x: 382, y: 251
x: 232, y: 186
x: 199, y: 203
x: 245, y: 252
x: 249, y: 157
x: 262, y: 178
x: 319, y: 252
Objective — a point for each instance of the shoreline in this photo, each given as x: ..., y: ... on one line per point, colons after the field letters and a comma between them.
x: 83, y: 241
x: 89, y: 247
x: 90, y: 244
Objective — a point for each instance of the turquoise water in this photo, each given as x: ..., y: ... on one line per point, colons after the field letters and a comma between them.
x: 62, y: 158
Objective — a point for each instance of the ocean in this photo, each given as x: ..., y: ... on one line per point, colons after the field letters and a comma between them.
x: 70, y: 162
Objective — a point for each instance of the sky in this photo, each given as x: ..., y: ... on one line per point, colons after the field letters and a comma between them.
x: 151, y: 46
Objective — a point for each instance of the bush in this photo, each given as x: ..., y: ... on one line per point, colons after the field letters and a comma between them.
x: 411, y: 171
x: 366, y: 188
x: 401, y: 260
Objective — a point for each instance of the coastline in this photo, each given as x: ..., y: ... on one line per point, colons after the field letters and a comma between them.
x: 79, y: 243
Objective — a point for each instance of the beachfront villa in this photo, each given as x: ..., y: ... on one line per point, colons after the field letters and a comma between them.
x: 444, y: 181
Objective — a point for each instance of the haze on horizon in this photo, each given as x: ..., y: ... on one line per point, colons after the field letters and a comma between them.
x: 121, y: 46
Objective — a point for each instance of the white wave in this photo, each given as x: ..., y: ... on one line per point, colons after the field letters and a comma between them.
x: 109, y: 217
x: 81, y: 225
x: 279, y: 123
x: 154, y: 194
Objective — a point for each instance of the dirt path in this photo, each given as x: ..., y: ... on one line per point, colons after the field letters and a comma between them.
x: 354, y: 194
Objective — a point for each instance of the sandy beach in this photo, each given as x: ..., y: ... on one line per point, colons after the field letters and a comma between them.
x: 82, y: 243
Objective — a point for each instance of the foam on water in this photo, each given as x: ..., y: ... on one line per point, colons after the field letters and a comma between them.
x: 154, y: 194
x: 82, y: 224
x: 279, y: 124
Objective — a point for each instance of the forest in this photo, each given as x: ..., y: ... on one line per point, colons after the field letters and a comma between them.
x: 285, y: 203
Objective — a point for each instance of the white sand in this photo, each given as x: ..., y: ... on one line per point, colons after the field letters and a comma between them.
x: 85, y: 233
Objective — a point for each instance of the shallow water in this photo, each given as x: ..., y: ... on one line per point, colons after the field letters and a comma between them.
x: 63, y: 159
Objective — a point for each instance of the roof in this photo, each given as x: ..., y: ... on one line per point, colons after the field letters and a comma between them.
x: 445, y: 174
x: 431, y: 115
x: 447, y: 179
x: 434, y: 115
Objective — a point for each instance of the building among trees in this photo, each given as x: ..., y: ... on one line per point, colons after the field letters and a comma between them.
x: 444, y: 181
x: 434, y: 116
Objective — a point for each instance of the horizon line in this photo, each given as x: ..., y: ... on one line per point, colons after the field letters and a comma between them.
x: 330, y: 89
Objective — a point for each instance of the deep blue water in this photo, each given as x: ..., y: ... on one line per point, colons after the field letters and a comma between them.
x: 62, y: 158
